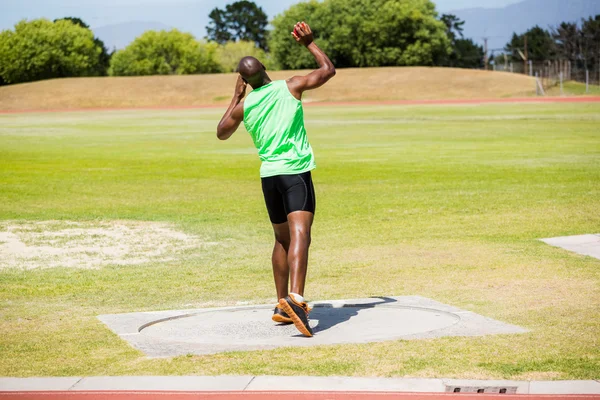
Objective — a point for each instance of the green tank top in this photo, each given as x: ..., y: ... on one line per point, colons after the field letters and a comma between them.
x: 275, y: 120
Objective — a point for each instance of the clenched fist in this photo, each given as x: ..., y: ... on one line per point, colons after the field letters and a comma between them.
x: 302, y: 33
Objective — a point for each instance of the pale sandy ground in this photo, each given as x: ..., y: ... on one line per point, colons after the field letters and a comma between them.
x: 48, y: 244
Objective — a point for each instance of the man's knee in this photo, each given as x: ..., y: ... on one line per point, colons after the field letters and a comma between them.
x: 301, y: 234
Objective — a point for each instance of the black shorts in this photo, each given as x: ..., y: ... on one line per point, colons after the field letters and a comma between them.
x: 288, y: 193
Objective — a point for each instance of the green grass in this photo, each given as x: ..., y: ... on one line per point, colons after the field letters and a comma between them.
x: 572, y: 88
x: 441, y: 202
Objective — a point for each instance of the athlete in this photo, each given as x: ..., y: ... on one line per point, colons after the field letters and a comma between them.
x: 272, y: 114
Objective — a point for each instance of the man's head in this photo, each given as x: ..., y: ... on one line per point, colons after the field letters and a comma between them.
x: 253, y: 72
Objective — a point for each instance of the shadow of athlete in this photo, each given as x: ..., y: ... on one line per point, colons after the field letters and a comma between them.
x: 272, y: 114
x: 330, y: 316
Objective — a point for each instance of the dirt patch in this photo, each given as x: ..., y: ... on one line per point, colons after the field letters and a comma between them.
x: 49, y: 244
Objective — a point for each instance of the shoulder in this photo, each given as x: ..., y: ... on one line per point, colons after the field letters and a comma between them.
x: 295, y: 80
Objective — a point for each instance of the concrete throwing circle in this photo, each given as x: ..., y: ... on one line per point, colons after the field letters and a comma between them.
x: 252, y: 328
x: 171, y: 333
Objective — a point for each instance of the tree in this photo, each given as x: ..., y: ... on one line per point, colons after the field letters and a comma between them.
x: 453, y: 26
x: 218, y: 29
x: 164, y: 53
x: 74, y: 20
x: 540, y: 45
x: 590, y: 42
x: 363, y: 33
x: 286, y: 51
x: 467, y: 54
x: 41, y: 49
x: 579, y: 44
x: 104, y: 58
x: 242, y: 20
x: 229, y: 55
x: 567, y: 38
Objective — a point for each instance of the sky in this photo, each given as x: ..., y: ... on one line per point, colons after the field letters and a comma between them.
x: 98, y: 13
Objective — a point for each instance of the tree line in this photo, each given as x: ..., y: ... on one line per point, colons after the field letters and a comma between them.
x: 354, y: 33
x: 579, y: 43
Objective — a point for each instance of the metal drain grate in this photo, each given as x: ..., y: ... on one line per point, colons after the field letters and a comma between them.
x: 482, y: 389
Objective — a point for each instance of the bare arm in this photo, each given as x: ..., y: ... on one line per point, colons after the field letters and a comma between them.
x: 299, y: 84
x: 235, y: 113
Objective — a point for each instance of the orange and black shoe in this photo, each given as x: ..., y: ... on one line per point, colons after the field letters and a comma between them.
x: 298, y: 312
x: 281, y: 316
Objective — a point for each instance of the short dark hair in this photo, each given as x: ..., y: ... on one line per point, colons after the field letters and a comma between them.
x: 252, y: 71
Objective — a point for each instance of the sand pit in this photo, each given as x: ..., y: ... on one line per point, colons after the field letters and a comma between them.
x: 91, y: 244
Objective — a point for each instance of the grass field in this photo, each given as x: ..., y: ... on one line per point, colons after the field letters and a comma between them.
x: 445, y: 202
x: 350, y: 84
x: 574, y: 89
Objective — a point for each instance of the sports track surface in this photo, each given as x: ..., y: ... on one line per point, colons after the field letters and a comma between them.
x: 159, y: 395
x: 580, y: 99
x: 276, y: 396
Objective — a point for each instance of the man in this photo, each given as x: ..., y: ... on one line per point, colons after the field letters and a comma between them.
x: 272, y: 114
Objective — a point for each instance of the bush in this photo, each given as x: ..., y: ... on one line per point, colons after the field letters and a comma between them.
x: 230, y: 54
x: 42, y: 49
x: 165, y: 53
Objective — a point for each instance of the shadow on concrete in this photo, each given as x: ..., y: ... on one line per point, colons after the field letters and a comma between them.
x: 330, y: 315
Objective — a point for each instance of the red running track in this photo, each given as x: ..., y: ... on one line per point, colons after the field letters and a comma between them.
x: 580, y: 99
x: 130, y: 395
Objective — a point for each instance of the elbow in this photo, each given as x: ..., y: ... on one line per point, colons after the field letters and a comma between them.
x: 326, y: 74
x: 221, y: 134
x: 330, y: 72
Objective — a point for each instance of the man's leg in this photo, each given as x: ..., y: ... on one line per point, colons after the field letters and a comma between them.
x: 299, y: 203
x: 300, y: 223
x: 281, y: 269
x: 278, y: 217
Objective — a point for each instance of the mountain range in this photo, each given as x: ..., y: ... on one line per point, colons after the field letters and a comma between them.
x: 498, y: 24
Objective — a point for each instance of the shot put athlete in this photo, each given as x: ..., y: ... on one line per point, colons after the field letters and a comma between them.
x: 272, y: 114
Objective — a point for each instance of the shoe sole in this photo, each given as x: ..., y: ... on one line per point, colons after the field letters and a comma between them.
x: 281, y: 319
x: 295, y: 319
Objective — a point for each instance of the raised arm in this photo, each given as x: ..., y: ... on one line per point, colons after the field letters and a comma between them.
x: 235, y: 113
x: 299, y: 84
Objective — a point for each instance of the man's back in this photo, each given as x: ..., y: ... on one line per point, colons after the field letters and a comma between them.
x: 275, y: 120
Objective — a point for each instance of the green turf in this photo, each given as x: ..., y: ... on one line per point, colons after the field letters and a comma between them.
x: 442, y: 202
x: 572, y: 88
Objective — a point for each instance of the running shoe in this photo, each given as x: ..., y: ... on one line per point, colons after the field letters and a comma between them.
x: 298, y: 312
x: 280, y: 316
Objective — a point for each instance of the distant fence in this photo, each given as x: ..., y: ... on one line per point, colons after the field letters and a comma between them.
x: 551, y: 73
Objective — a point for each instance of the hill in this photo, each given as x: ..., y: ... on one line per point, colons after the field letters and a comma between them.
x: 365, y: 84
x: 498, y: 24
